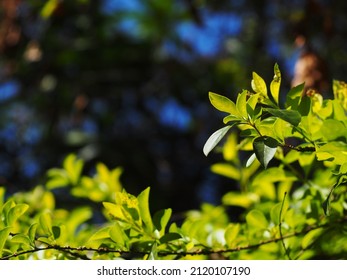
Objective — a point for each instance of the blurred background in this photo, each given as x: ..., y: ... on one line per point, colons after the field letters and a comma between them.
x: 126, y: 82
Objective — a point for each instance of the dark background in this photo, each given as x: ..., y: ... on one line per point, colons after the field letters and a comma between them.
x: 126, y: 82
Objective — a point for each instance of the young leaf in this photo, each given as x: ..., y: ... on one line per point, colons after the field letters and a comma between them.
x: 294, y: 96
x: 223, y: 103
x: 145, y: 214
x: 46, y: 223
x: 4, y: 233
x: 16, y: 212
x: 256, y: 219
x: 241, y: 104
x: 231, y: 234
x: 215, y: 138
x: 265, y: 148
x: 160, y: 220
x: 21, y: 238
x: 290, y: 116
x: 32, y: 232
x: 275, y: 84
x: 259, y: 85
x: 117, y: 234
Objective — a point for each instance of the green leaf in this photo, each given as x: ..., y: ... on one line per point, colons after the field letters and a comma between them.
x: 265, y: 149
x: 161, y: 219
x: 241, y: 104
x: 275, y: 84
x: 275, y: 212
x: 311, y: 237
x: 16, y: 212
x: 215, y: 138
x: 73, y: 167
x: 226, y: 170
x: 327, y: 201
x: 334, y: 130
x: 143, y: 199
x: 259, y: 85
x: 4, y: 233
x: 290, y: 116
x: 46, y: 223
x: 117, y: 234
x: 294, y: 96
x: 56, y: 232
x: 231, y: 234
x: 21, y: 239
x: 256, y: 219
x: 170, y: 236
x: 32, y: 232
x: 333, y: 151
x: 244, y: 200
x: 223, y: 103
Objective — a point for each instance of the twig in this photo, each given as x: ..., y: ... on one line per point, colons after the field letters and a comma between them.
x: 280, y: 227
x: 73, y: 250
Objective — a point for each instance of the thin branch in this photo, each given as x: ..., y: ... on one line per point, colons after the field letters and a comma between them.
x: 280, y: 227
x: 102, y: 250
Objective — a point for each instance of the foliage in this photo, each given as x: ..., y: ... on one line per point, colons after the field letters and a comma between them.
x: 288, y: 159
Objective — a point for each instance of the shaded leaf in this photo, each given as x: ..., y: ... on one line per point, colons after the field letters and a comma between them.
x: 265, y: 148
x: 290, y: 116
x: 294, y: 96
x: 170, y: 236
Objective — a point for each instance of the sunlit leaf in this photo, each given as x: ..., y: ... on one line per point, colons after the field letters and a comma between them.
x: 335, y: 151
x: 265, y: 149
x: 251, y: 159
x: 244, y: 200
x: 311, y: 237
x: 256, y: 219
x: 116, y: 233
x: 21, y: 238
x: 32, y: 232
x: 223, y: 103
x: 46, y: 224
x: 231, y: 234
x: 275, y: 84
x: 143, y: 199
x: 161, y: 219
x: 4, y: 233
x: 258, y: 84
x: 215, y: 138
x: 241, y: 104
x: 15, y: 212
x: 226, y: 170
x: 334, y: 130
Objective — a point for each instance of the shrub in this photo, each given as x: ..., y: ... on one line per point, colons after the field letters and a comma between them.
x: 288, y: 159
